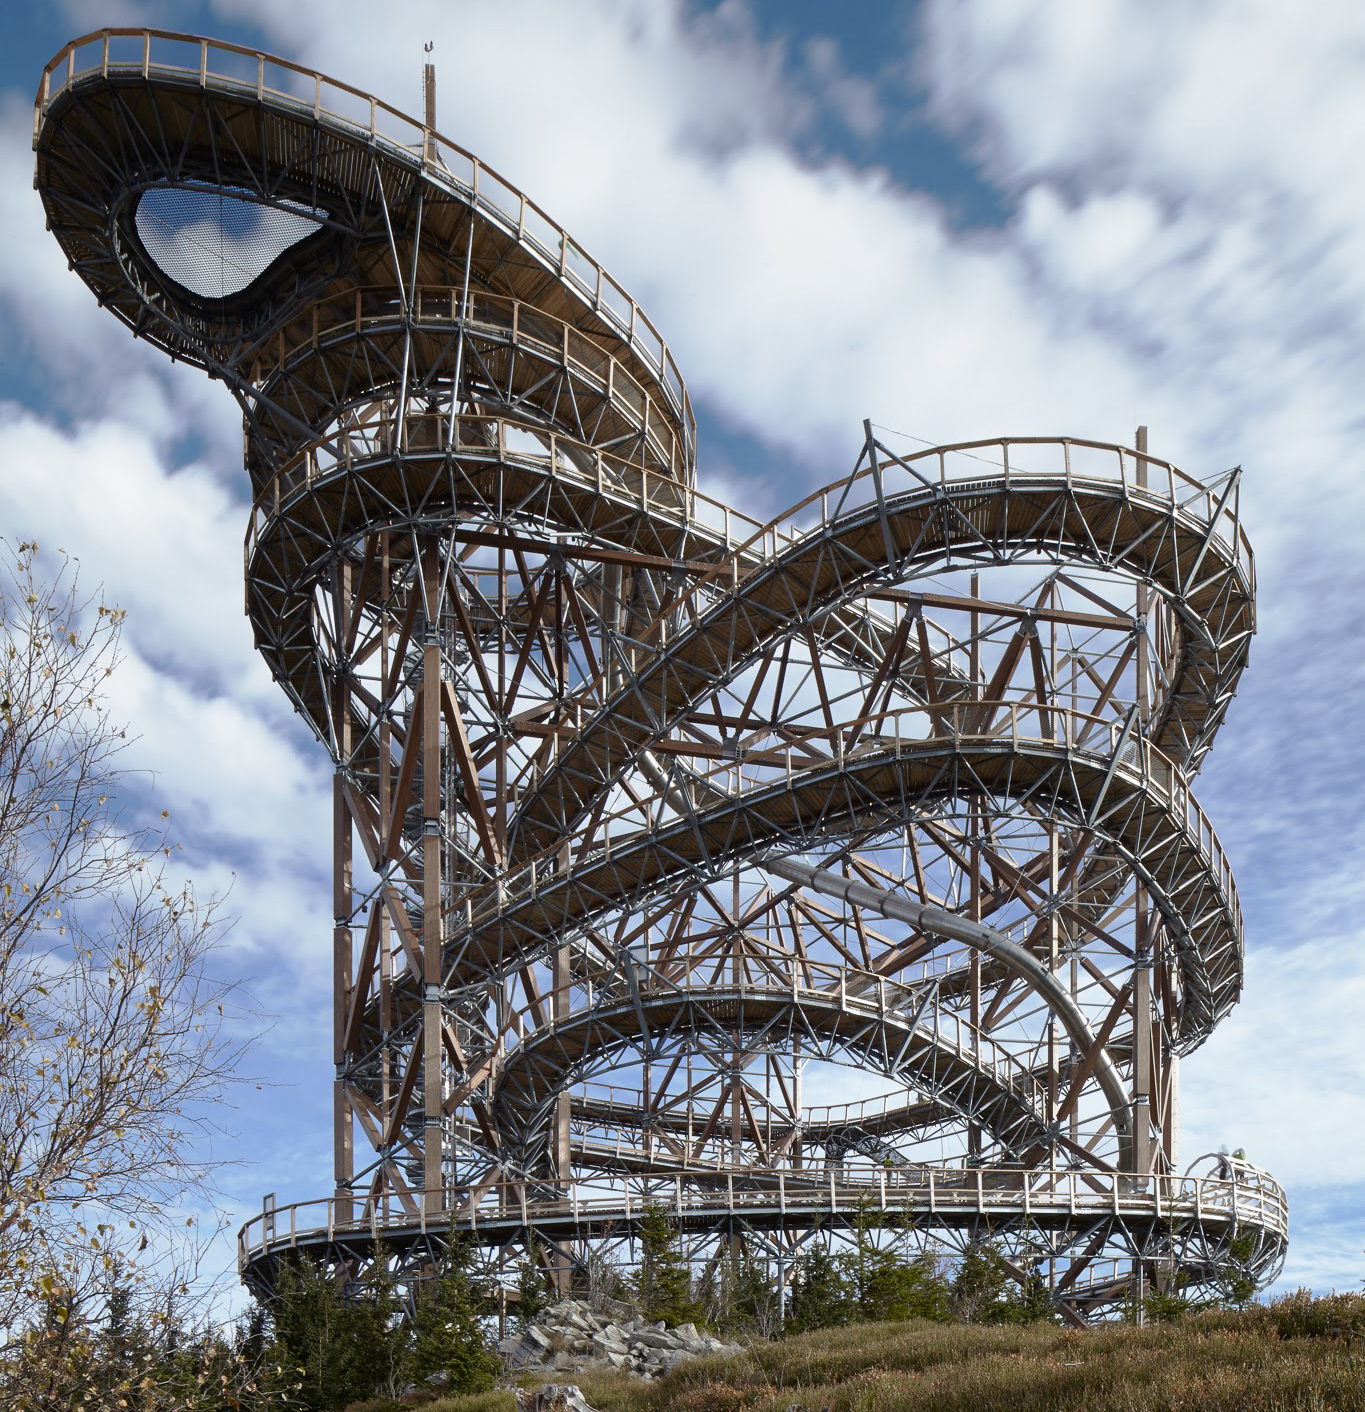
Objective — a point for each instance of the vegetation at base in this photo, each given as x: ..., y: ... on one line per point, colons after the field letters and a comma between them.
x: 330, y: 1350
x: 662, y: 1287
x: 877, y: 1277
x: 335, y: 1348
x: 740, y: 1299
x: 1294, y: 1354
x: 315, y: 1347
x: 533, y: 1293
x: 447, y: 1338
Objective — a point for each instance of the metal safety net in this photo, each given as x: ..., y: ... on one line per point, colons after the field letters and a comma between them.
x: 213, y: 243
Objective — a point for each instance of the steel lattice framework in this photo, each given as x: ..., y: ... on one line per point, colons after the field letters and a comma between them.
x: 644, y: 811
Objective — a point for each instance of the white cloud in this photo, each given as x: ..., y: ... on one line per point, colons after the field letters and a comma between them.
x: 86, y: 362
x: 1276, y: 1078
x: 1184, y: 176
x: 243, y: 782
x: 165, y: 543
x: 798, y: 298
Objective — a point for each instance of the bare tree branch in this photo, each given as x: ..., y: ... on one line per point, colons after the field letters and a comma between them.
x: 115, y: 1037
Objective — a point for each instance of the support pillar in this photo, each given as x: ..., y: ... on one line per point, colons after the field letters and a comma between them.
x: 433, y: 1199
x: 343, y: 902
x: 1142, y: 966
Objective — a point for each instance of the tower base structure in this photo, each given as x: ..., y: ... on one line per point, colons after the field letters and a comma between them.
x: 784, y: 876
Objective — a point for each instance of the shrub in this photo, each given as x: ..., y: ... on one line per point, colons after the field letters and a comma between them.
x: 532, y: 1294
x: 741, y: 1297
x: 1167, y: 1306
x: 883, y: 1281
x: 1304, y: 1315
x: 986, y: 1291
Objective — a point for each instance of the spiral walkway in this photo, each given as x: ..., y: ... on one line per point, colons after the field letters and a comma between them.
x: 654, y: 823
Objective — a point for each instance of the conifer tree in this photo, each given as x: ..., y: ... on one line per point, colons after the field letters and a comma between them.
x: 663, y: 1285
x: 819, y: 1294
x: 532, y: 1294
x: 335, y: 1351
x: 984, y: 1291
x: 883, y: 1281
x: 741, y: 1297
x: 448, y: 1337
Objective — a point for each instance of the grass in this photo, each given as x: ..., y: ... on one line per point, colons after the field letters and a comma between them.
x: 1295, y: 1355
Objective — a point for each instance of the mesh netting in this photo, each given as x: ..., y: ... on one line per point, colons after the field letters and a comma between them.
x: 214, y: 243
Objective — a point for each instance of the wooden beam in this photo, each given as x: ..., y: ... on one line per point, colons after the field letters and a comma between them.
x: 469, y: 778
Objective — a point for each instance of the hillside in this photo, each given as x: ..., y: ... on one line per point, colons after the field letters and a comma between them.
x: 1296, y: 1355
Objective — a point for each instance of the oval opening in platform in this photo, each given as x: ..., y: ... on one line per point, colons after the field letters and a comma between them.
x: 215, y: 242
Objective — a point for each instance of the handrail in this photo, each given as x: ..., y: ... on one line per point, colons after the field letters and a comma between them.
x: 1134, y: 472
x: 362, y: 309
x: 658, y: 495
x: 997, y: 1192
x: 1109, y: 469
x: 819, y: 1115
x: 757, y: 768
x: 853, y: 992
x: 828, y: 1115
x: 206, y: 61
x: 744, y: 545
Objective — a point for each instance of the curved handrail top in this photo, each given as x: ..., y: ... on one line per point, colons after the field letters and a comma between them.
x: 883, y: 998
x: 1231, y: 550
x: 812, y: 1115
x: 1156, y: 772
x: 485, y: 186
x: 1159, y: 1198
x: 1220, y: 935
x: 692, y: 509
x: 1238, y: 541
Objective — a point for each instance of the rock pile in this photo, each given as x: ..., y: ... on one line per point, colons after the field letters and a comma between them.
x: 572, y: 1335
x: 553, y: 1397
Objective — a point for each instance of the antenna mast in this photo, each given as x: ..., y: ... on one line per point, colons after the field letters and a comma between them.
x: 429, y: 100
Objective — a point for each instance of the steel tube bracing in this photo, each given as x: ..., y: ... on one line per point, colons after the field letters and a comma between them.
x: 651, y: 820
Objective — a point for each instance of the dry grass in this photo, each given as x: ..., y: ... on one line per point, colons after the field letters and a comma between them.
x: 607, y: 1392
x: 1285, y: 1358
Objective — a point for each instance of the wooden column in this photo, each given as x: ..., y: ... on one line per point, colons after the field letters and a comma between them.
x: 560, y: 1005
x: 432, y: 1179
x: 1142, y: 966
x: 1055, y: 1038
x: 559, y: 1011
x: 1170, y: 1133
x: 387, y: 626
x: 977, y: 823
x: 343, y: 901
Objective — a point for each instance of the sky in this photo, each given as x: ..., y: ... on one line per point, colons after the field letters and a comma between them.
x: 1009, y: 217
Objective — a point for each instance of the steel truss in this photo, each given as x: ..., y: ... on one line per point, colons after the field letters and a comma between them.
x: 647, y: 813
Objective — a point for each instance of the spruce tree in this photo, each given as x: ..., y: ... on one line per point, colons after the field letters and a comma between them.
x: 742, y: 1297
x: 663, y: 1284
x: 1030, y: 1302
x: 448, y: 1336
x: 532, y: 1294
x: 985, y: 1290
x: 334, y: 1351
x: 820, y: 1293
x: 883, y: 1281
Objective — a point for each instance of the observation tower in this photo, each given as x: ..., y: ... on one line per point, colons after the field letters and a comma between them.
x: 661, y: 835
